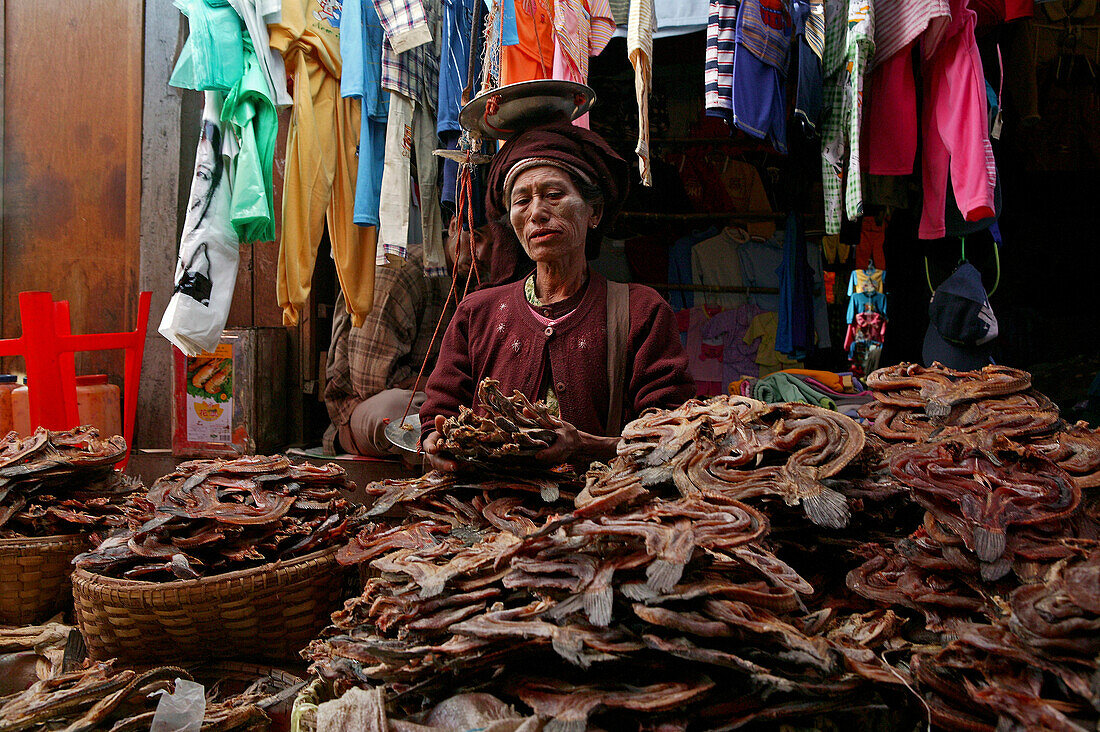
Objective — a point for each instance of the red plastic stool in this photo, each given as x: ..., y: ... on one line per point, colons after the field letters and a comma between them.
x: 48, y: 347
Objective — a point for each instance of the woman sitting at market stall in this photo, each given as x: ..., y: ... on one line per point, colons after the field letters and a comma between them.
x: 558, y: 333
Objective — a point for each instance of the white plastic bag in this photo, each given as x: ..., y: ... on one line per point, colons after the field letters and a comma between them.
x: 206, y: 268
x: 182, y: 711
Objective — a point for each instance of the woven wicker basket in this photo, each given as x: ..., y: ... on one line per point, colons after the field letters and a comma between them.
x: 269, y: 612
x: 34, y: 576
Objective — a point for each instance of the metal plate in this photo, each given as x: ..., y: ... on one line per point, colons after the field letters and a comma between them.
x: 525, y: 104
x: 405, y: 434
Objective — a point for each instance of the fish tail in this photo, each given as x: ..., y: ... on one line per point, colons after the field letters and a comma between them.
x: 662, y: 575
x: 827, y: 508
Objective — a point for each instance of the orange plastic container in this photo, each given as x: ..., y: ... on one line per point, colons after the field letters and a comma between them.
x: 8, y: 384
x: 98, y: 403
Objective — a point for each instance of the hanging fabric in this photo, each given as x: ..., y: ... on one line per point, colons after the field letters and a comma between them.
x: 639, y: 49
x: 321, y: 165
x: 206, y: 268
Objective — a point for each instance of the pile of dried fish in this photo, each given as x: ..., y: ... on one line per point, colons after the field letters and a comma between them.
x: 510, y: 427
x: 209, y: 517
x: 915, y: 404
x: 61, y: 483
x: 1005, y: 568
x: 101, y: 697
x: 734, y: 448
x: 943, y: 580
x: 651, y: 593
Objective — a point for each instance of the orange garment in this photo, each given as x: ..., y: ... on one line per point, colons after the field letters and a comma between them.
x: 836, y: 382
x: 533, y: 58
x: 321, y: 166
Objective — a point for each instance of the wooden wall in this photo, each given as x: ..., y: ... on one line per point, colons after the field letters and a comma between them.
x: 72, y: 113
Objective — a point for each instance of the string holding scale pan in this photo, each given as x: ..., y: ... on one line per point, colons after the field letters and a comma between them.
x: 502, y: 112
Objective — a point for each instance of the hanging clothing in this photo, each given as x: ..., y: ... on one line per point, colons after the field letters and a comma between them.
x: 867, y: 281
x: 738, y: 358
x: 861, y: 302
x: 760, y: 260
x: 741, y: 181
x: 257, y: 14
x: 872, y: 238
x: 955, y: 126
x: 679, y: 267
x: 410, y: 54
x: 795, y: 332
x: 254, y: 126
x: 582, y: 28
x: 412, y: 78
x: 212, y: 58
x: 748, y: 74
x: 808, y: 17
x: 704, y: 352
x: 533, y: 56
x: 849, y: 45
x: 868, y: 326
x: 763, y: 329
x: 454, y: 62
x: 639, y: 49
x: 361, y: 40
x: 320, y: 178
x: 715, y: 261
x: 898, y: 23
x: 890, y: 126
x: 410, y: 131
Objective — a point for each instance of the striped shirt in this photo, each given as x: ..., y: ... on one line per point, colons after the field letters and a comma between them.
x: 718, y: 69
x: 582, y: 29
x: 765, y: 29
x: 899, y: 22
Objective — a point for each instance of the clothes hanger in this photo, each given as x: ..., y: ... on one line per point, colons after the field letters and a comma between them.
x: 963, y: 260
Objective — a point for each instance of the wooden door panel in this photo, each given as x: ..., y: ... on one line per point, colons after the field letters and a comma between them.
x: 72, y: 87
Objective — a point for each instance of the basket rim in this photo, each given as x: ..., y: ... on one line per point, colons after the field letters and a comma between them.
x: 84, y: 576
x: 40, y: 541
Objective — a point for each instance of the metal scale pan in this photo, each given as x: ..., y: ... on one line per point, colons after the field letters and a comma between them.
x: 516, y: 107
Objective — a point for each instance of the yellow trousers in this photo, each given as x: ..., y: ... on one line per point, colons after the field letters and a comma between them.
x: 319, y: 184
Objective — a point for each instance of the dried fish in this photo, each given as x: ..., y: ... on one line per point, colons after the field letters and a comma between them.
x: 214, y: 516
x: 62, y: 483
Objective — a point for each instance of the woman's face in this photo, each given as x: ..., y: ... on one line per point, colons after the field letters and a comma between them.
x: 549, y: 215
x: 202, y: 187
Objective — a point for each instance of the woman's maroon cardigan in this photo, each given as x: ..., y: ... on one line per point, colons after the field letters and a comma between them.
x: 494, y: 333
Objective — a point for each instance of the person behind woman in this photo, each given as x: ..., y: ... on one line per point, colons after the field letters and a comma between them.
x: 559, y: 187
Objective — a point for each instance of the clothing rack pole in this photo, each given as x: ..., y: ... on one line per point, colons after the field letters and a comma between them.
x: 729, y: 215
x: 741, y: 289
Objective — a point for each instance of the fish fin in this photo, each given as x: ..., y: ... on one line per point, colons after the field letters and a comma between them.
x: 597, y: 604
x: 993, y: 571
x: 655, y: 475
x: 638, y: 591
x: 569, y: 646
x: 662, y: 575
x: 937, y: 409
x: 989, y: 544
x: 550, y: 492
x: 827, y: 508
x: 566, y: 725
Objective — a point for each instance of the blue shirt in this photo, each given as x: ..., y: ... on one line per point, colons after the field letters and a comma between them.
x: 679, y: 268
x: 361, y: 37
x: 454, y: 62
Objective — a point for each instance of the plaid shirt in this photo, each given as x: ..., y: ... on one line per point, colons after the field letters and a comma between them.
x: 849, y: 46
x: 412, y: 70
x: 392, y: 343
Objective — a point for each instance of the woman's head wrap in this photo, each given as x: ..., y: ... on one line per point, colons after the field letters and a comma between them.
x: 580, y: 152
